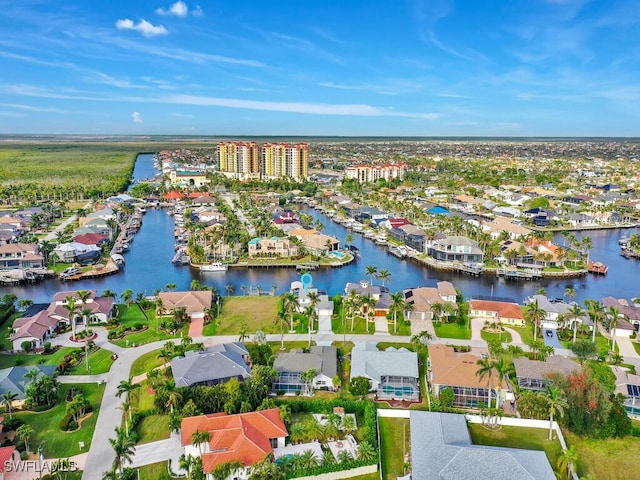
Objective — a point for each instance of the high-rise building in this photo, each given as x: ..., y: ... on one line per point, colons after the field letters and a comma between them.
x: 284, y: 160
x: 371, y: 173
x: 239, y: 160
x: 247, y: 161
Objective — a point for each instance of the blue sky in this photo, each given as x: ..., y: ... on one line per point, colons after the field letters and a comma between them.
x: 322, y: 67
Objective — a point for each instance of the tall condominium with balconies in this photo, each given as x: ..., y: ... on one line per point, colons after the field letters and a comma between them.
x: 284, y: 160
x: 239, y: 160
x: 248, y: 161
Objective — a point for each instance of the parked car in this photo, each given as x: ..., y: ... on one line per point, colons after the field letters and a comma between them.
x: 549, y: 333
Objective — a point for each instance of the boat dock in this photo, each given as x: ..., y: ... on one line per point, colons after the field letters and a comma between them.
x: 515, y: 274
x: 598, y: 268
x: 96, y: 271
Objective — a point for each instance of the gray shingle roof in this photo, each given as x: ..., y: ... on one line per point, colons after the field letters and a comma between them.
x: 441, y: 449
x: 217, y: 362
x: 12, y: 379
x: 368, y: 361
x: 526, y: 368
x: 324, y: 359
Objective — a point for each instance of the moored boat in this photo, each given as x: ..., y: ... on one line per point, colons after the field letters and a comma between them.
x: 214, y: 267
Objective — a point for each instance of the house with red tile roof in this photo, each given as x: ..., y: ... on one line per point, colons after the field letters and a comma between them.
x: 8, y: 455
x: 508, y: 313
x: 195, y: 303
x: 244, y: 437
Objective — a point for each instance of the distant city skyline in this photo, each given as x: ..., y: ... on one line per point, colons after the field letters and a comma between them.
x: 358, y: 68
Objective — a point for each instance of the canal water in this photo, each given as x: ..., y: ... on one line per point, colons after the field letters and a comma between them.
x: 148, y: 267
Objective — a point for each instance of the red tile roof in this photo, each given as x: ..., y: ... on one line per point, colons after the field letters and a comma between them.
x: 504, y: 309
x: 5, y: 455
x: 244, y: 437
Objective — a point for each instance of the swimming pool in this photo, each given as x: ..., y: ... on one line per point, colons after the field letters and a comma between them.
x: 339, y: 255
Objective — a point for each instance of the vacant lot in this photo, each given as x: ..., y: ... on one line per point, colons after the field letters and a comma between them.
x: 608, y: 459
x: 256, y: 313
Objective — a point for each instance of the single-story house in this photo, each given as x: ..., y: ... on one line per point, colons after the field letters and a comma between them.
x: 217, y: 364
x: 458, y: 372
x: 291, y: 365
x: 12, y: 380
x: 195, y: 303
x: 535, y: 374
x: 422, y: 299
x: 441, y: 449
x: 508, y: 313
x: 244, y: 437
x: 393, y: 372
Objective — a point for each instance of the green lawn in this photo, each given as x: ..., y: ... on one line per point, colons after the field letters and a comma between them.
x: 636, y: 346
x: 132, y: 314
x: 46, y: 425
x: 489, y: 336
x: 100, y: 361
x: 606, y: 459
x: 146, y: 362
x: 452, y: 330
x: 359, y: 325
x: 17, y: 359
x: 526, y: 332
x: 153, y: 471
x: 518, y: 437
x: 257, y: 313
x: 142, y: 398
x: 5, y: 331
x: 392, y: 432
x: 152, y: 428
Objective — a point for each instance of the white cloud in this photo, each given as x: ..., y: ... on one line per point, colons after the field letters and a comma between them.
x: 178, y: 9
x: 145, y: 28
x: 136, y: 117
x: 197, y: 12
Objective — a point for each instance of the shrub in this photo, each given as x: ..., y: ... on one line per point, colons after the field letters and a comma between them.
x: 26, y: 345
x: 138, y: 326
x: 11, y: 424
x: 47, y: 347
x: 24, y: 456
x: 72, y: 426
x: 64, y: 423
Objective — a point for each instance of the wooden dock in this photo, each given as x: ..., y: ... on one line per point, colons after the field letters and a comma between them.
x: 97, y: 271
x: 598, y: 268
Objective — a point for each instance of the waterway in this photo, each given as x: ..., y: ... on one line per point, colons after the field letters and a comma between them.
x: 149, y: 267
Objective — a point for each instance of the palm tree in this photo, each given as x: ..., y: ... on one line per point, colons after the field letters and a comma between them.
x: 371, y: 271
x: 24, y: 432
x: 281, y: 321
x: 126, y: 387
x: 566, y: 462
x: 575, y: 312
x: 199, y: 437
x: 242, y: 336
x: 124, y: 448
x: 570, y: 292
x: 397, y: 304
x: 126, y: 296
x: 229, y: 289
x: 556, y: 402
x: 384, y: 275
x: 309, y: 459
x: 504, y: 369
x: 613, y: 323
x: 70, y: 306
x: 314, y: 300
x: 32, y: 375
x: 352, y: 300
x: 366, y: 452
x: 290, y: 305
x: 485, y: 369
x: 595, y: 310
x: 7, y: 400
x: 536, y: 315
x: 369, y: 303
x: 173, y: 395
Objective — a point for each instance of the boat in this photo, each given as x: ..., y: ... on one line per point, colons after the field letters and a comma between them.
x: 623, y: 241
x: 398, y: 251
x: 214, y: 267
x: 357, y: 227
x: 380, y: 239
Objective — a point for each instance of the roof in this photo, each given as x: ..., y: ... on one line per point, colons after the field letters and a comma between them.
x: 215, y: 363
x: 537, y: 369
x: 243, y: 437
x: 5, y: 455
x: 324, y: 359
x: 33, y: 327
x: 12, y: 379
x: 368, y: 361
x: 504, y: 309
x: 193, y: 302
x: 441, y: 449
x: 460, y: 369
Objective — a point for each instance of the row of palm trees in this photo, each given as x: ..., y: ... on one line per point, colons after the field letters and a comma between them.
x: 312, y: 430
x: 598, y: 313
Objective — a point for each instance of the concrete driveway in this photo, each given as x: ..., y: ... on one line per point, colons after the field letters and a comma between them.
x: 551, y: 341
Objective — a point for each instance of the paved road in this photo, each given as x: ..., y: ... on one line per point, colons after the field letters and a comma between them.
x: 100, y: 457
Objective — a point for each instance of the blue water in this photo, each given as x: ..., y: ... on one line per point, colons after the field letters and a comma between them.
x: 149, y: 267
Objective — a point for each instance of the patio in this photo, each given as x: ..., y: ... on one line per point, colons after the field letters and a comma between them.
x: 349, y: 444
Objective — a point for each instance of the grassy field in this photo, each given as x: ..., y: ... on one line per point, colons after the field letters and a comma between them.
x: 5, y: 331
x: 130, y: 315
x: 100, y: 361
x: 359, y: 325
x: 257, y: 313
x: 152, y: 428
x: 452, y: 330
x: 146, y: 362
x: 489, y: 336
x: 142, y: 398
x: 104, y: 165
x: 609, y: 459
x: 391, y: 445
x: 152, y: 471
x: 46, y: 425
x: 17, y: 359
x: 518, y: 437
